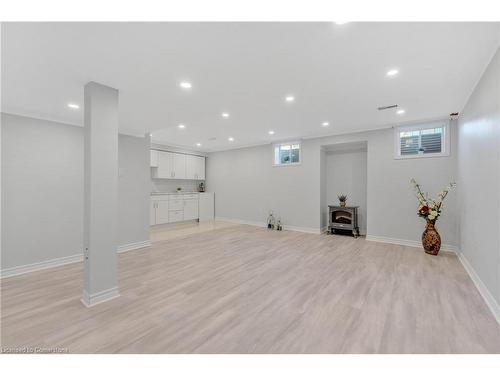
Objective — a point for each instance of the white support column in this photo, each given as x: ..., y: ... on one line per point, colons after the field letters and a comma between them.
x: 100, y: 194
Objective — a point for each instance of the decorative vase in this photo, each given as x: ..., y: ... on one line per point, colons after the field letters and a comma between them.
x: 431, y: 240
x: 342, y: 203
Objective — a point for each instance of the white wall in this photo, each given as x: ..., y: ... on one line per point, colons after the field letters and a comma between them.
x: 346, y: 174
x: 133, y: 189
x: 247, y: 186
x: 323, y: 206
x: 479, y: 178
x: 42, y: 190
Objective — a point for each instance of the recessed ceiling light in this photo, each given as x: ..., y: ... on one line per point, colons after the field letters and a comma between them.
x: 326, y: 123
x: 341, y: 22
x: 225, y: 114
x: 73, y: 106
x: 290, y: 98
x: 230, y: 139
x: 271, y: 132
x: 181, y: 126
x: 198, y: 144
x: 392, y: 73
x: 400, y: 111
x: 185, y: 85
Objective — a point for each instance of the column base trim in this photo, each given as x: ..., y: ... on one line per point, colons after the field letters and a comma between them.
x: 133, y: 246
x: 90, y: 300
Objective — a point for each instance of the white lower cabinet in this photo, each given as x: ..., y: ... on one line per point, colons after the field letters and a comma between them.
x: 173, y: 208
x: 190, y: 209
x: 176, y: 204
x: 175, y: 215
x: 162, y: 212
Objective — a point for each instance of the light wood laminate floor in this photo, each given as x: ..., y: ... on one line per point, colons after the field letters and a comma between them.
x: 243, y: 289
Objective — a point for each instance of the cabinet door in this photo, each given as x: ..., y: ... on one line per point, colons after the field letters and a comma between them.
x: 191, y: 167
x: 206, y: 206
x: 176, y: 216
x: 153, y: 157
x: 179, y: 166
x: 200, y: 168
x: 195, y: 167
x: 152, y: 213
x: 175, y: 204
x: 190, y: 209
x: 162, y: 212
x: 165, y: 165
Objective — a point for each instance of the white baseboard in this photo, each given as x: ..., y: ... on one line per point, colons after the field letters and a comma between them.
x: 90, y: 300
x: 133, y: 246
x: 239, y: 221
x: 483, y: 290
x: 302, y: 229
x: 411, y: 243
x: 19, y: 270
x: 264, y: 225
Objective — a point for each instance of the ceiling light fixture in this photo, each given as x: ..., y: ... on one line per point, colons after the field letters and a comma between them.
x: 198, y: 144
x: 290, y: 98
x: 185, y: 85
x: 400, y: 112
x: 326, y: 123
x: 230, y: 139
x: 392, y: 73
x: 73, y: 106
x: 271, y: 132
x: 181, y: 126
x: 225, y: 114
x: 341, y: 22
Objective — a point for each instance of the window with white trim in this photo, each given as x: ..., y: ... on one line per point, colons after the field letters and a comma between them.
x: 423, y: 140
x: 287, y: 153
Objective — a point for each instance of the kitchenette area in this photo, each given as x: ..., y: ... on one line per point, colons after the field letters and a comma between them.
x: 178, y: 188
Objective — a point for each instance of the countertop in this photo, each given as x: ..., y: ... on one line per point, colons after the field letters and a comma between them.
x: 174, y: 193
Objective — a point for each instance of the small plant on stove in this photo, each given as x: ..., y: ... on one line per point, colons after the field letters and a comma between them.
x: 342, y: 199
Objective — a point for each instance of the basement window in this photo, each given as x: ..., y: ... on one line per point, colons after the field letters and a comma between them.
x: 423, y: 140
x: 287, y: 153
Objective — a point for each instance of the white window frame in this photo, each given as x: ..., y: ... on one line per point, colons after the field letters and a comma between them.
x: 286, y: 144
x: 445, y: 139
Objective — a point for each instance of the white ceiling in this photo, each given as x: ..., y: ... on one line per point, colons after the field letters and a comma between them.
x: 336, y: 73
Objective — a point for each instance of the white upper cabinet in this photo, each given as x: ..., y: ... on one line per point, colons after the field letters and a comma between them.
x: 173, y: 165
x: 190, y: 167
x: 200, y: 167
x: 179, y: 165
x: 153, y: 154
x: 195, y: 167
x: 165, y: 165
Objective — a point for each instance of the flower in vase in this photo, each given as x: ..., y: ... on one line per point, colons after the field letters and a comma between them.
x: 423, y: 210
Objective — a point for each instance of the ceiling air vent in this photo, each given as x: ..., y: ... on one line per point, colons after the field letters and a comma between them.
x: 387, y: 107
